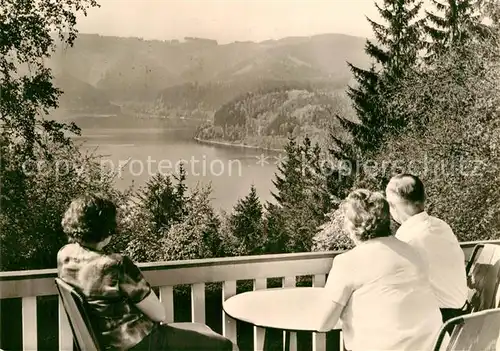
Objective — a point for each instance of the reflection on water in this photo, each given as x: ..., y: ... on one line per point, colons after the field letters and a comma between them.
x: 138, y: 154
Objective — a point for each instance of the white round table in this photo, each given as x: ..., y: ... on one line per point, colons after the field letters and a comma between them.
x: 288, y: 309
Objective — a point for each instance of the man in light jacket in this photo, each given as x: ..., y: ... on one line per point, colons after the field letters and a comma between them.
x: 433, y: 238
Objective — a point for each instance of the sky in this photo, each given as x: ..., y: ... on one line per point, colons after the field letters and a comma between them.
x: 228, y: 20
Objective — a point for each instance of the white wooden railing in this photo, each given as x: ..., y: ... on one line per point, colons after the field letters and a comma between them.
x: 28, y: 285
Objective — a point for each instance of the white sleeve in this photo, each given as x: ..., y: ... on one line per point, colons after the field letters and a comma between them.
x: 339, y: 284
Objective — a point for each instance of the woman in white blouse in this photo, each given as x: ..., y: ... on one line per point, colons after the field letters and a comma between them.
x: 380, y: 289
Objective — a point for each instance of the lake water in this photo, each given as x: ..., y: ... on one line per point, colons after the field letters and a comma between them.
x: 138, y: 154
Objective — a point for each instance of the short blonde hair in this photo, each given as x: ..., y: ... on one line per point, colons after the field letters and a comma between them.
x: 368, y: 213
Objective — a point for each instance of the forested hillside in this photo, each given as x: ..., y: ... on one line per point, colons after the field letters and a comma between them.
x: 267, y: 118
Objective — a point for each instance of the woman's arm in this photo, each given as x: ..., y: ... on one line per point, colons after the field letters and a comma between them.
x: 330, y: 319
x: 338, y: 291
x: 152, y: 307
x: 139, y: 292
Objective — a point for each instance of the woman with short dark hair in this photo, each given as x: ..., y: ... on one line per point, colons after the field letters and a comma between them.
x: 380, y: 289
x: 124, y: 309
x: 89, y: 219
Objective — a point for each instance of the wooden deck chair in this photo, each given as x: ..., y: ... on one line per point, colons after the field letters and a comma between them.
x: 475, y: 331
x: 85, y: 338
x: 483, y: 278
x: 76, y: 310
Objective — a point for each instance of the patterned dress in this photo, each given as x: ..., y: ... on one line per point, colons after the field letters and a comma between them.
x: 112, y: 284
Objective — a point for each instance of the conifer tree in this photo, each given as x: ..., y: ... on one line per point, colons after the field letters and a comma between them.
x: 288, y: 183
x: 395, y: 51
x: 453, y: 23
x: 302, y: 199
x: 164, y: 202
x: 197, y: 235
x: 399, y: 42
x: 289, y: 180
x: 366, y: 98
x: 246, y: 224
x: 161, y: 204
x: 315, y: 178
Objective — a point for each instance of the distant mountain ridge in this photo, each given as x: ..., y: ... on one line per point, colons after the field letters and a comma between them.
x: 79, y: 95
x: 135, y: 69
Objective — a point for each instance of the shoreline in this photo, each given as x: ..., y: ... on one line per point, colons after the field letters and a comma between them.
x: 228, y: 144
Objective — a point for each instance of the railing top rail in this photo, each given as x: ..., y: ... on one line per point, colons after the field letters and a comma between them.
x: 208, y: 262
x: 474, y: 243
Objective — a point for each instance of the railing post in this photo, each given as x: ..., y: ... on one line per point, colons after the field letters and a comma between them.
x: 289, y: 282
x: 259, y: 334
x: 29, y: 323
x: 229, y: 324
x: 319, y: 339
x: 290, y: 337
x: 167, y: 300
x: 198, y: 302
x: 65, y: 333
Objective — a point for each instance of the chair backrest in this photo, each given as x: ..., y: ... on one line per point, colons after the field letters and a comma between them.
x: 475, y: 331
x: 483, y: 278
x: 76, y: 310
